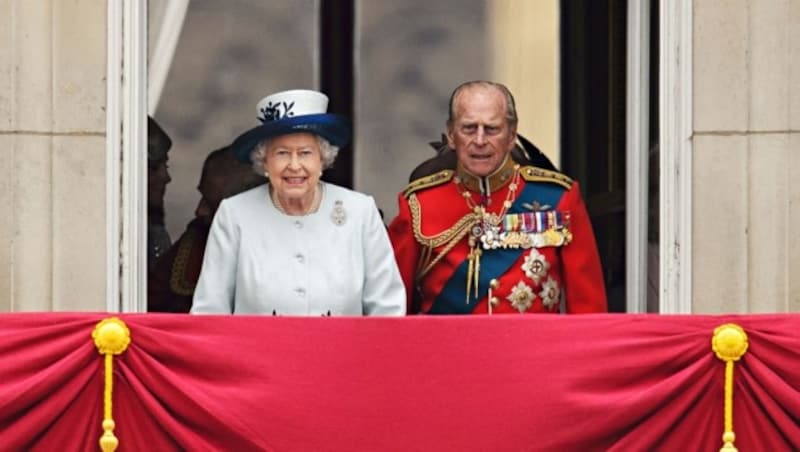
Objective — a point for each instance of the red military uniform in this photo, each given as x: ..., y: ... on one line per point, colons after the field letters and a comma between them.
x: 517, y: 241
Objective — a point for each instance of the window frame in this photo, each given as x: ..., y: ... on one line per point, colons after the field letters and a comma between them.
x: 126, y: 176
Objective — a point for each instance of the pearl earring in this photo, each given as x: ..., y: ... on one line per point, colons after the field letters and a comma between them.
x: 266, y: 174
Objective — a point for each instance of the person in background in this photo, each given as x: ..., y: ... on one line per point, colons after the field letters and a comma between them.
x: 172, y: 282
x: 297, y: 245
x: 493, y: 235
x: 158, y: 145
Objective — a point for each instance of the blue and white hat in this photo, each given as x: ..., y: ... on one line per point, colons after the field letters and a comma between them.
x: 293, y: 111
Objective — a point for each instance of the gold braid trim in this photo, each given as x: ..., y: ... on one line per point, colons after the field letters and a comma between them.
x: 445, y: 236
x: 428, y: 181
x: 177, y: 283
x: 536, y: 174
x: 442, y: 254
x: 449, y: 237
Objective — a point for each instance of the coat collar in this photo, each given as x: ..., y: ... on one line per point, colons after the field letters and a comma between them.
x: 500, y: 177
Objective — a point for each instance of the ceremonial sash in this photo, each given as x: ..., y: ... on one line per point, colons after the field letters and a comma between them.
x: 494, y: 262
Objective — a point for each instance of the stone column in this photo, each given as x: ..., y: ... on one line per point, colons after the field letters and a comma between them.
x: 52, y: 163
x: 746, y: 214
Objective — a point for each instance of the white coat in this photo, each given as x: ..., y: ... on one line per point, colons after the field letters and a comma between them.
x: 335, y: 261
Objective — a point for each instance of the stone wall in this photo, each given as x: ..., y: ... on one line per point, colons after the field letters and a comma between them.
x: 746, y: 190
x: 52, y: 163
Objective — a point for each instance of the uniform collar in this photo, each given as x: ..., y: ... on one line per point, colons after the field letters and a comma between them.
x: 500, y: 177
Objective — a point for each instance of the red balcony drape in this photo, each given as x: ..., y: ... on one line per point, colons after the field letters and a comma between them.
x: 510, y: 383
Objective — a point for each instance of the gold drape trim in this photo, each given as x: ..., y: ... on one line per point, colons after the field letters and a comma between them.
x: 111, y: 337
x: 729, y: 344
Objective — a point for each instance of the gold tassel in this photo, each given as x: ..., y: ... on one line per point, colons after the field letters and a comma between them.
x: 473, y: 268
x: 470, y: 271
x: 477, y: 273
x: 729, y: 343
x: 111, y: 337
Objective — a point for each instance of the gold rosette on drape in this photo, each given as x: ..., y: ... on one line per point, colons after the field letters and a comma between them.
x: 111, y: 337
x: 729, y: 343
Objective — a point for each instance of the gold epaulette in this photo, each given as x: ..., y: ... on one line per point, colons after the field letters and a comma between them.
x: 536, y: 174
x: 428, y: 181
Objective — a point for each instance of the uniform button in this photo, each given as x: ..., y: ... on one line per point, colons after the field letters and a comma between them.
x: 298, y: 224
x: 300, y: 291
x: 299, y: 258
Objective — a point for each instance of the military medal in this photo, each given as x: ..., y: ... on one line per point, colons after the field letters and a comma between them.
x: 521, y: 297
x: 535, y: 266
x: 528, y: 230
x: 550, y: 294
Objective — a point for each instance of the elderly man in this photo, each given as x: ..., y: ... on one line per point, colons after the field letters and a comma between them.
x: 494, y: 236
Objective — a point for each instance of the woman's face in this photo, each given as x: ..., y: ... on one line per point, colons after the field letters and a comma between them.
x: 294, y: 164
x: 157, y: 179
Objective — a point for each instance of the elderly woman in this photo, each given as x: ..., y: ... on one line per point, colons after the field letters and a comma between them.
x: 297, y: 245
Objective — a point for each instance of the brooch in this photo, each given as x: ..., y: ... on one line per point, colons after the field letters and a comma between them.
x: 338, y: 216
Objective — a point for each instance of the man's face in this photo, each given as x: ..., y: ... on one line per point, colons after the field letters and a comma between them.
x: 157, y: 179
x: 480, y: 132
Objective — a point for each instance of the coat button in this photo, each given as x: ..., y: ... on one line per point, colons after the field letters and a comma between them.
x: 300, y: 291
x: 298, y: 224
x: 300, y: 258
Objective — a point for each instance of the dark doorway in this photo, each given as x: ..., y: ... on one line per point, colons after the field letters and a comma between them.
x: 593, y: 59
x: 336, y: 20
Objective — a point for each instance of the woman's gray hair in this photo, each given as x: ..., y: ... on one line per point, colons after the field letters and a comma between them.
x: 259, y: 154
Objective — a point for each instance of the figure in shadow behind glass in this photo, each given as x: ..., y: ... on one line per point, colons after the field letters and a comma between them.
x: 158, y: 145
x: 171, y: 284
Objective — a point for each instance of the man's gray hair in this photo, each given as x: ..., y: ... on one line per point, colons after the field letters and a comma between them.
x: 259, y: 154
x: 511, y: 106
